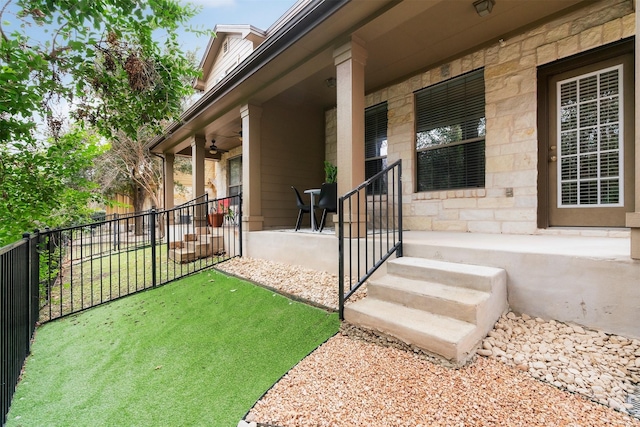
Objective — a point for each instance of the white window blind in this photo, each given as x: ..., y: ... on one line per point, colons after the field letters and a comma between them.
x: 590, y: 155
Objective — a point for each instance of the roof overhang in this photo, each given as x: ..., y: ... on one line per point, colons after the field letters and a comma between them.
x: 402, y: 38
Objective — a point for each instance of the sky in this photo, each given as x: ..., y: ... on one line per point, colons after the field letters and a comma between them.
x: 259, y: 13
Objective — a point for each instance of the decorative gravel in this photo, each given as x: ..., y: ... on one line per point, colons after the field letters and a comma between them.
x: 358, y: 378
x: 603, y: 367
x: 318, y: 287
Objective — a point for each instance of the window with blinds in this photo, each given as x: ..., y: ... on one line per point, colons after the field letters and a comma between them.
x: 235, y: 176
x: 375, y: 144
x: 450, y: 134
x: 589, y: 131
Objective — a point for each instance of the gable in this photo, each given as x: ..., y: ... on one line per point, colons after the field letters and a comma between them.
x: 231, y: 45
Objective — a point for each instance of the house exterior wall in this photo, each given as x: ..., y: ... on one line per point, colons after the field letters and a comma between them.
x: 124, y: 205
x: 510, y: 72
x: 294, y: 157
x: 238, y: 49
x: 183, y: 193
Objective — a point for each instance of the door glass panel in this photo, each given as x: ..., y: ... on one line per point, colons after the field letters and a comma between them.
x: 590, y: 154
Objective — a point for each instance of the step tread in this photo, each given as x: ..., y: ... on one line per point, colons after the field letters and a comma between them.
x: 431, y: 289
x: 443, y: 328
x: 184, y: 251
x: 479, y: 270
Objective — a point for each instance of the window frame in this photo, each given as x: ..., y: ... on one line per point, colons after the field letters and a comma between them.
x: 474, y: 104
x: 230, y: 186
x: 598, y: 152
x: 376, y: 113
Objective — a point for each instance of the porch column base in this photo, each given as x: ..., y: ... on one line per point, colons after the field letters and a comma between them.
x: 354, y: 226
x: 633, y: 221
x: 252, y: 223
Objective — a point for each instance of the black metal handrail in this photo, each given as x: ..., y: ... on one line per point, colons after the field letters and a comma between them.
x: 203, y: 198
x: 373, y: 211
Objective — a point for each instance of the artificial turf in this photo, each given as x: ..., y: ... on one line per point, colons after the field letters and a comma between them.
x: 196, y: 352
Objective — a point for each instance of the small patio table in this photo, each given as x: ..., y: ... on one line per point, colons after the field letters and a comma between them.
x: 312, y: 192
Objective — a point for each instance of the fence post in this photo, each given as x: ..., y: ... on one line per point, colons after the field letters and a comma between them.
x: 116, y: 232
x: 168, y: 232
x: 152, y: 226
x: 29, y: 263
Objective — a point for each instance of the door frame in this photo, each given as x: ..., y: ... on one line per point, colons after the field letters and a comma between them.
x: 545, y: 74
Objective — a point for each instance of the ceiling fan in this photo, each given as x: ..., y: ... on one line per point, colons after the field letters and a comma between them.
x: 215, y: 150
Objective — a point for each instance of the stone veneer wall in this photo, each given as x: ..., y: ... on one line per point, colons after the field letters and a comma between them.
x: 331, y: 136
x: 511, y: 110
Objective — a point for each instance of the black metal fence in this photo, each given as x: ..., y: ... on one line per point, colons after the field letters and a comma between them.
x: 55, y: 273
x: 369, y: 229
x: 18, y: 312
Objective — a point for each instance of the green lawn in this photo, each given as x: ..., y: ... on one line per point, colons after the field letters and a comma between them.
x: 198, y: 351
x: 111, y: 276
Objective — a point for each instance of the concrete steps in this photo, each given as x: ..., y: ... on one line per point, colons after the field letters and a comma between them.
x: 444, y: 308
x: 194, y: 246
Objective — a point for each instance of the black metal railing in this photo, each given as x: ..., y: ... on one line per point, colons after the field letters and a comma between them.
x: 54, y: 273
x: 18, y: 312
x: 85, y: 266
x: 369, y: 229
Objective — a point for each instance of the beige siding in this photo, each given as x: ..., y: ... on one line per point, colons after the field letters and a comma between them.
x: 124, y: 205
x: 238, y: 50
x: 292, y: 157
x: 184, y: 193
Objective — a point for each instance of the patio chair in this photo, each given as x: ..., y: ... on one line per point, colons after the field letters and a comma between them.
x: 302, y: 208
x: 328, y: 201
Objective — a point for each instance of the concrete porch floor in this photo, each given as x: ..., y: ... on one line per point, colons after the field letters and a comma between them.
x: 590, y: 281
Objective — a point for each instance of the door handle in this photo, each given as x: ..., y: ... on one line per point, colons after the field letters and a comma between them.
x: 553, y: 158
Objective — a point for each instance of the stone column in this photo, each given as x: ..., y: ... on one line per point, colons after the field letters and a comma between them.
x: 350, y: 60
x: 633, y: 218
x: 197, y: 177
x: 251, y: 168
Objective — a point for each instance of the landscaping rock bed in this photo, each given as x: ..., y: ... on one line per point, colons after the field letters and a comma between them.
x: 534, y: 373
x: 319, y: 287
x: 603, y: 367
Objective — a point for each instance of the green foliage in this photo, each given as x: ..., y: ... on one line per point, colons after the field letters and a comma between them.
x: 331, y: 172
x: 45, y: 185
x: 117, y: 63
x: 183, y: 165
x: 114, y: 65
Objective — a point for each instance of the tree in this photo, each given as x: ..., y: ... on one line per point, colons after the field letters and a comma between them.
x: 129, y: 168
x: 47, y: 186
x: 115, y: 65
x: 102, y: 58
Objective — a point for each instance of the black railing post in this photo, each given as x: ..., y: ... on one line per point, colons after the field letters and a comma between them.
x: 152, y: 232
x: 399, y: 251
x: 239, y: 221
x: 340, y: 258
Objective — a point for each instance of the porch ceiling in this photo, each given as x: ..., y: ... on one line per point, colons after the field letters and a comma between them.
x: 402, y: 38
x: 413, y: 36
